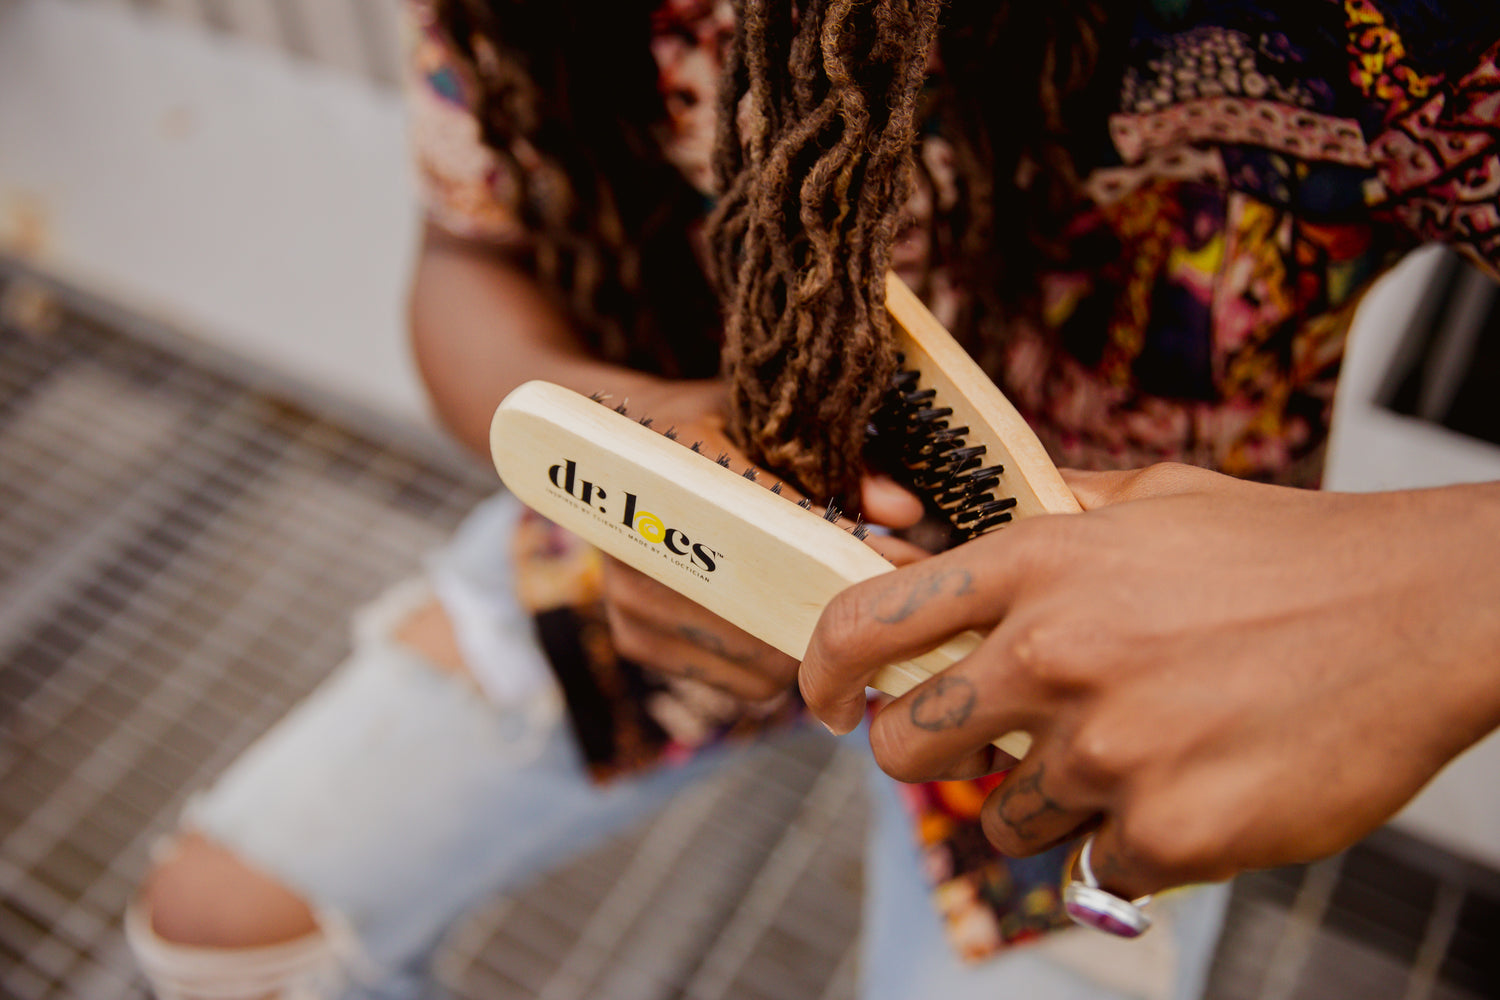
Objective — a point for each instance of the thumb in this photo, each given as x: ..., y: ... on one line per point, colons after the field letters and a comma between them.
x: 886, y: 502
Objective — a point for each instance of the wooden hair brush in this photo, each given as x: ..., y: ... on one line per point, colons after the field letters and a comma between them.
x: 750, y: 556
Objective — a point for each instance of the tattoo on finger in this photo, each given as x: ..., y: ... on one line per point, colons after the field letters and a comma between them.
x: 711, y: 643
x: 691, y: 671
x: 1023, y: 802
x: 909, y: 599
x: 944, y: 704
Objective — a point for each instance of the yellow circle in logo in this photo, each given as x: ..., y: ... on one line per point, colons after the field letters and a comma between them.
x: 650, y: 526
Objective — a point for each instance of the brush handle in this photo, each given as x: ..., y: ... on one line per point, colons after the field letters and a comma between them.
x: 719, y: 539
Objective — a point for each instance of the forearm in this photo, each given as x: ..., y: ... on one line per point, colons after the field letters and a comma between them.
x: 481, y: 326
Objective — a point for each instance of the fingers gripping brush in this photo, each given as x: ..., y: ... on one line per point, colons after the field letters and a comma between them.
x: 742, y: 551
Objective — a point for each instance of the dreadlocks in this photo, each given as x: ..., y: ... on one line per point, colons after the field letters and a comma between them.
x: 820, y: 107
x: 812, y: 187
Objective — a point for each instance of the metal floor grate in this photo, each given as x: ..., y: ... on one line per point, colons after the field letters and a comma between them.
x: 178, y: 557
x: 1392, y: 918
x: 180, y: 551
x: 746, y: 886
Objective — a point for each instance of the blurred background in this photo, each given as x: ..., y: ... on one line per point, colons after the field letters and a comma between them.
x: 213, y: 447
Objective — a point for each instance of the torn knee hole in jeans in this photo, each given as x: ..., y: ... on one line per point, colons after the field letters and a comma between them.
x: 410, y: 616
x: 317, y: 964
x: 318, y: 956
x: 202, y: 892
x: 428, y: 632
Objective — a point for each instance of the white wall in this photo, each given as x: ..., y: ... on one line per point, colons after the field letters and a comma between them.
x: 258, y: 200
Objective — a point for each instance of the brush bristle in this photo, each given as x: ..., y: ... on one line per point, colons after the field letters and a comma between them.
x: 914, y: 434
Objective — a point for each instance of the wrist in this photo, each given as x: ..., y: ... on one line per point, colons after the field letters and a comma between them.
x: 1454, y: 529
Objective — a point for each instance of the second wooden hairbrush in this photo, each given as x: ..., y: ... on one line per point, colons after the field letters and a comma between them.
x: 963, y: 446
x: 737, y: 548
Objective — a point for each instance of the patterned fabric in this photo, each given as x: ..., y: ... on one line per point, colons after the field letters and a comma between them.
x: 1271, y: 159
x: 1266, y: 161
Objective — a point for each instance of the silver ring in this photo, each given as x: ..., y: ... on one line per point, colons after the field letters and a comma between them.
x: 1089, y: 905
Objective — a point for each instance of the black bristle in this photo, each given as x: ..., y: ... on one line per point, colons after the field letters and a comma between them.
x: 967, y: 487
x: 945, y: 438
x: 984, y: 510
x: 988, y: 523
x: 620, y: 409
x: 723, y: 459
x: 698, y: 447
x: 963, y: 493
x: 990, y: 473
x: 750, y: 473
x: 646, y: 421
x: 805, y: 504
x: 913, y: 434
x: 671, y: 434
x: 861, y: 531
x: 597, y: 397
x: 832, y: 513
x: 963, y: 454
x: 776, y: 489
